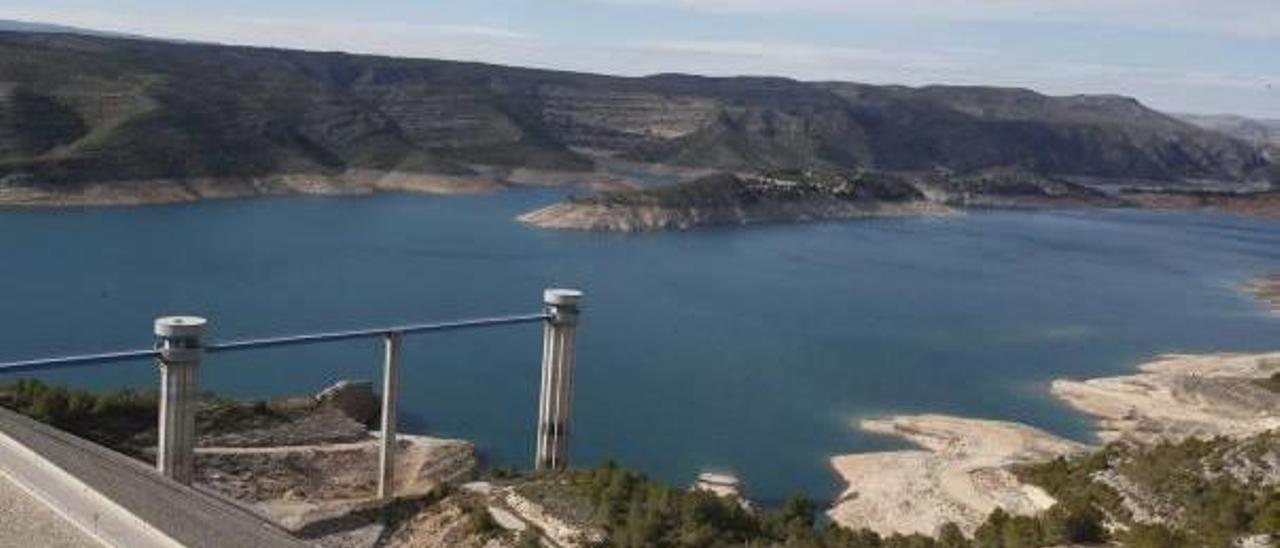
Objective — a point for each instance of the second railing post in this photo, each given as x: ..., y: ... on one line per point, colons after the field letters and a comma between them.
x: 179, y: 341
x: 556, y: 399
x: 390, y: 396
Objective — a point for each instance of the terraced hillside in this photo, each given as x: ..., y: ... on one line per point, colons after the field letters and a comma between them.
x: 150, y: 116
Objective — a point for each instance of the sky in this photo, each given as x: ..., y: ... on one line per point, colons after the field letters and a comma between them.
x: 1199, y: 56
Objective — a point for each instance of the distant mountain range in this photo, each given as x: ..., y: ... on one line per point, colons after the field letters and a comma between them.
x: 1257, y: 131
x: 80, y: 110
x: 10, y: 25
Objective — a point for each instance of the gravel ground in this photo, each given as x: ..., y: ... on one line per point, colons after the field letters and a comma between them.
x: 26, y: 521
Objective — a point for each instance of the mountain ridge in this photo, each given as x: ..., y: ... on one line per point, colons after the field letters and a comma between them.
x: 78, y: 110
x: 16, y: 25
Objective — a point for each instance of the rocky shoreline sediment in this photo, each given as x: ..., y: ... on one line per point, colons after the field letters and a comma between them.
x: 960, y: 474
x: 351, y: 182
x: 616, y: 218
x: 963, y: 470
x: 727, y: 199
x: 1267, y: 289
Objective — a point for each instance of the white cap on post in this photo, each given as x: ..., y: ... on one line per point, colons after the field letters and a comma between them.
x: 173, y: 327
x: 562, y: 305
x: 561, y: 297
x: 180, y: 338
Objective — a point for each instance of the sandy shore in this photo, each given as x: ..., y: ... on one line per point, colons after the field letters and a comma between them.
x: 1178, y: 396
x: 962, y: 471
x: 959, y: 476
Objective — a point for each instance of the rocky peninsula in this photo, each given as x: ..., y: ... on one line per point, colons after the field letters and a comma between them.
x: 730, y: 199
x: 967, y: 468
x: 959, y: 476
x: 1181, y: 396
x: 811, y: 194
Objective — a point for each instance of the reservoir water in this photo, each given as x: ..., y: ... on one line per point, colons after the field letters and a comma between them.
x: 750, y: 350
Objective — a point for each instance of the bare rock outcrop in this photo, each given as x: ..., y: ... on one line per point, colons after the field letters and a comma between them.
x: 963, y: 473
x: 1180, y: 396
x: 959, y: 476
x: 354, y: 399
x: 299, y: 486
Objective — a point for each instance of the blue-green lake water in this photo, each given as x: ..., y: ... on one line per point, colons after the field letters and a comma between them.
x: 745, y: 350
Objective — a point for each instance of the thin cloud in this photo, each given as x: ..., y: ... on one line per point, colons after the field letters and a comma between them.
x: 822, y: 57
x: 1197, y: 91
x: 1258, y: 19
x: 356, y: 36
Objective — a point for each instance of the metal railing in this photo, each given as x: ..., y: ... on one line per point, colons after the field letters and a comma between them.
x: 180, y: 348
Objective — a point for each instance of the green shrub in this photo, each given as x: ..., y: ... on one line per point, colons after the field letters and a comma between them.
x: 950, y: 536
x: 636, y: 512
x: 1153, y: 536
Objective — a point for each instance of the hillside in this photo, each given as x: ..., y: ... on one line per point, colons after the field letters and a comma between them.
x: 93, y: 116
x: 7, y: 25
x: 1257, y: 131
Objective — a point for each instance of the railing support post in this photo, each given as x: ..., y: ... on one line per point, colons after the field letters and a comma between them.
x: 556, y: 399
x: 390, y: 396
x: 180, y: 342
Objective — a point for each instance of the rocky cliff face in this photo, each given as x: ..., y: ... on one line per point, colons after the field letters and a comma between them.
x: 80, y: 110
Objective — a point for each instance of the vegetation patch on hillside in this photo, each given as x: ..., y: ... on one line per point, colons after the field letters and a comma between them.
x: 1193, y: 493
x: 732, y: 190
x: 126, y: 420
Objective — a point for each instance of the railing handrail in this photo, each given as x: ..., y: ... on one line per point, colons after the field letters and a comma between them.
x: 82, y: 359
x: 309, y: 338
x: 283, y: 340
x: 180, y: 349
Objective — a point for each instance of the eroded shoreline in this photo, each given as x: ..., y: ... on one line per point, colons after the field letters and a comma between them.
x: 962, y: 470
x: 960, y: 475
x: 353, y: 182
x: 1266, y: 289
x: 606, y: 218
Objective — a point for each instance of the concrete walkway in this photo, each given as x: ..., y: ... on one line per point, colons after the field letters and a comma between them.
x: 122, y: 501
x: 26, y: 521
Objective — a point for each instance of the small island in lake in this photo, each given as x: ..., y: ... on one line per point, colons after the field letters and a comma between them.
x: 809, y: 194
